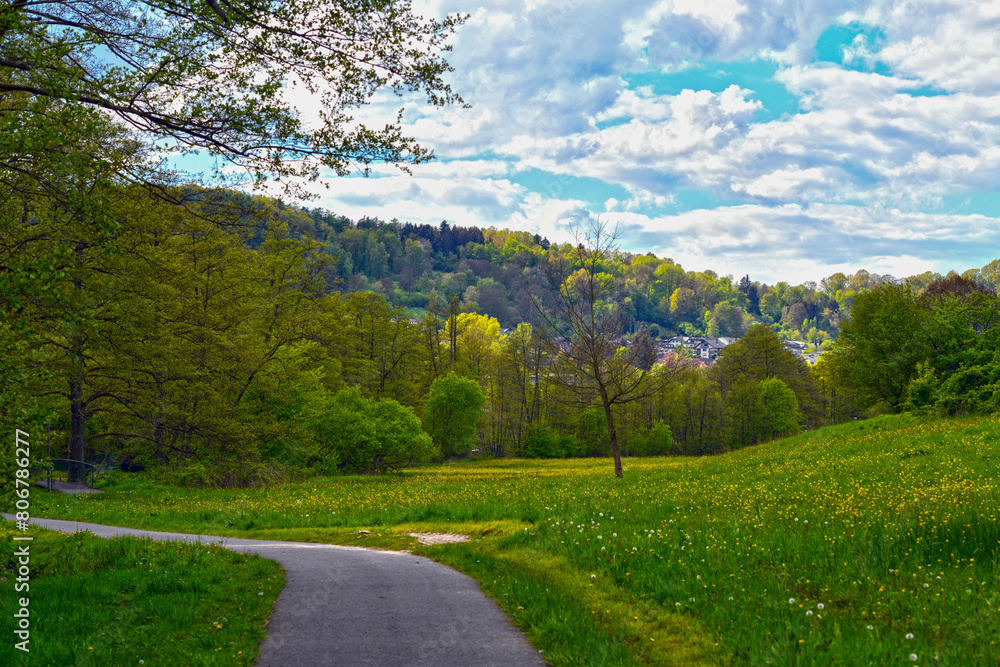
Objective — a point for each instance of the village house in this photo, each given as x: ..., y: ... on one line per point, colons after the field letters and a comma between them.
x: 700, y: 347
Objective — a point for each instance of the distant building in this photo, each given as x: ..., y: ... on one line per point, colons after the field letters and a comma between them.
x: 796, y: 346
x: 700, y: 347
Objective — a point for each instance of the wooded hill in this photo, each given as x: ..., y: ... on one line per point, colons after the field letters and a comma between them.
x: 489, y: 269
x: 227, y: 339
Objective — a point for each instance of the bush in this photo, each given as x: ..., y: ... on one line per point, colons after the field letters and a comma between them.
x: 366, y: 435
x: 193, y: 474
x: 657, y: 441
x: 541, y: 442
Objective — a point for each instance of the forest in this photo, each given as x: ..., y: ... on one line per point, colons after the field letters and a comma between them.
x: 227, y: 339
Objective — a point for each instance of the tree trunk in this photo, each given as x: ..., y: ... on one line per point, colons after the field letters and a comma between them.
x: 78, y: 421
x: 613, y: 435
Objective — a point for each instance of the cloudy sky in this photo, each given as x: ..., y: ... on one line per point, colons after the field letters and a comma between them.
x: 784, y: 139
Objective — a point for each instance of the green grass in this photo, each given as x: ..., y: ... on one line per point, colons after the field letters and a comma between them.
x: 861, y: 544
x: 94, y: 601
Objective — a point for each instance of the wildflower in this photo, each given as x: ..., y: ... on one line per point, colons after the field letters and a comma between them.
x: 820, y: 606
x: 909, y: 635
x: 791, y: 600
x: 913, y: 656
x: 809, y: 613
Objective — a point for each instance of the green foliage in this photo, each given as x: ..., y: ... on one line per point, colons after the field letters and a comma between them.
x: 764, y: 387
x: 367, y: 435
x: 969, y: 389
x: 781, y: 408
x: 935, y: 351
x: 163, y: 67
x: 592, y: 431
x: 541, y: 441
x: 657, y: 441
x: 880, y: 345
x: 454, y: 407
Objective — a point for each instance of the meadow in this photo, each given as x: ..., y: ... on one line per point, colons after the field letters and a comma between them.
x: 868, y: 543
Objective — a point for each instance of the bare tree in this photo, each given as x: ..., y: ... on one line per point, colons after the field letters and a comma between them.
x: 586, y: 326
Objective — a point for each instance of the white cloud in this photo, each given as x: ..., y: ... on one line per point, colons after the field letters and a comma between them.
x: 545, y: 78
x: 797, y: 244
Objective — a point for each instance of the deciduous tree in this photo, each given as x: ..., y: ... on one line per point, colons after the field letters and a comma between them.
x: 585, y: 331
x: 224, y: 77
x: 454, y: 407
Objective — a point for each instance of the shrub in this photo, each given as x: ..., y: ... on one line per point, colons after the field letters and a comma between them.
x: 366, y: 435
x: 541, y: 442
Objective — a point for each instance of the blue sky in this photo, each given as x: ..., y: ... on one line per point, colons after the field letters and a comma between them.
x: 787, y: 139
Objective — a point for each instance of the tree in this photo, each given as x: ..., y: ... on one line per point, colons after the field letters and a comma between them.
x: 781, y: 408
x: 454, y: 407
x: 657, y: 441
x: 372, y: 435
x: 880, y: 345
x: 380, y: 343
x: 749, y: 290
x: 221, y: 77
x: 759, y: 356
x: 586, y: 326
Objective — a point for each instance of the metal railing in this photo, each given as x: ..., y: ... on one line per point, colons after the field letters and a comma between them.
x: 66, y: 469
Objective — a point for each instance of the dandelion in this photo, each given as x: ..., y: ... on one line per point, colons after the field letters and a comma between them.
x: 909, y: 635
x: 820, y: 606
x: 791, y: 600
x: 809, y: 613
x: 913, y: 656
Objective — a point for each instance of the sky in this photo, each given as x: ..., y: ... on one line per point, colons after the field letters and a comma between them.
x: 782, y: 139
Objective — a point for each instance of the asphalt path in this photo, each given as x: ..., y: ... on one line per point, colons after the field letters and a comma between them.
x: 354, y: 606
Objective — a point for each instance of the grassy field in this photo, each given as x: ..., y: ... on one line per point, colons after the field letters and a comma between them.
x: 870, y: 543
x: 132, y: 601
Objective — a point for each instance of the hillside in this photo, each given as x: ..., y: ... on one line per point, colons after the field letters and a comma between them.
x: 490, y: 269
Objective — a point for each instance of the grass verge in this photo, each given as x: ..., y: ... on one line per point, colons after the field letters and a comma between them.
x: 132, y: 601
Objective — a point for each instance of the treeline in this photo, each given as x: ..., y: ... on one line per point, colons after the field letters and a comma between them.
x: 936, y: 349
x: 216, y: 337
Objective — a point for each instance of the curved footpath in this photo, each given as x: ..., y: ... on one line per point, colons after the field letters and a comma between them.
x: 354, y: 606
